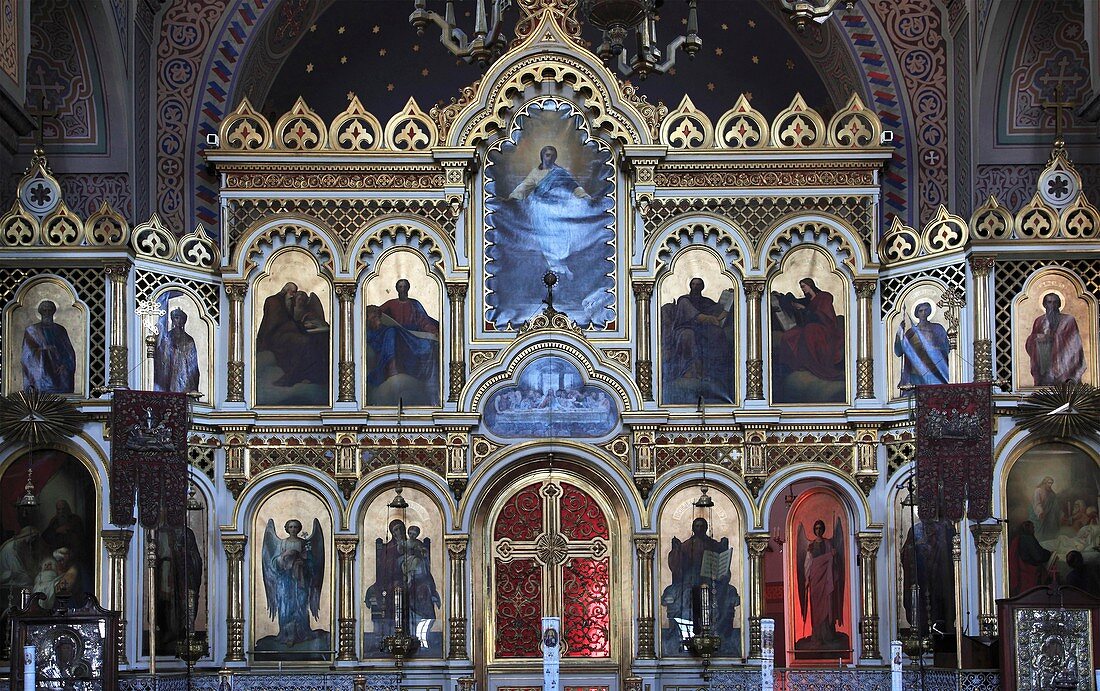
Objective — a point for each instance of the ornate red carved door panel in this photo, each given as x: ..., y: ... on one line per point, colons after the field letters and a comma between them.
x: 551, y: 557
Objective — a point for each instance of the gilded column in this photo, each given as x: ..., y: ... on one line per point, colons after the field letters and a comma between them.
x: 345, y: 550
x: 645, y: 547
x: 345, y: 293
x: 865, y: 360
x: 234, y: 382
x: 757, y: 544
x: 457, y: 623
x: 643, y: 364
x: 980, y: 268
x: 754, y: 385
x: 868, y: 579
x: 456, y: 295
x: 117, y: 543
x: 119, y: 370
x: 234, y: 575
x: 985, y: 537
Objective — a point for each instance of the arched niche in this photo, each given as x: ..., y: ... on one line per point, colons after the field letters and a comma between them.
x: 922, y: 565
x: 48, y: 547
x: 293, y: 568
x: 184, y: 355
x: 1054, y: 331
x: 181, y: 581
x: 46, y: 339
x: 919, y: 348
x: 1051, y: 496
x: 292, y: 318
x: 403, y: 547
x: 402, y: 332
x: 809, y: 322
x: 698, y: 545
x: 794, y: 509
x: 697, y: 330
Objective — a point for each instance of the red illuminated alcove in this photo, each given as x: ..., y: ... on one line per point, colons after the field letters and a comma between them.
x: 817, y: 600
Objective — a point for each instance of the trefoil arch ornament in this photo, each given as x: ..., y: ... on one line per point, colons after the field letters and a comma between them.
x: 258, y: 246
x: 411, y: 232
x: 827, y: 233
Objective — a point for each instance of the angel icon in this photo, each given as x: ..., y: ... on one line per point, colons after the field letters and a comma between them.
x: 294, y: 570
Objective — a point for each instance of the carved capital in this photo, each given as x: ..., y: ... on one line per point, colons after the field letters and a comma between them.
x: 867, y: 482
x: 981, y: 265
x: 456, y: 546
x: 117, y: 542
x: 458, y: 487
x: 235, y: 290
x: 644, y: 483
x: 345, y: 290
x: 754, y: 288
x: 986, y: 536
x: 643, y: 290
x: 234, y: 546
x: 865, y: 288
x: 645, y: 547
x: 456, y: 292
x: 868, y: 544
x: 757, y: 544
x: 117, y: 271
x: 346, y: 546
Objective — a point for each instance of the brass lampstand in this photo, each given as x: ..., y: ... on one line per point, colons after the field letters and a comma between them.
x: 400, y: 645
x: 705, y: 643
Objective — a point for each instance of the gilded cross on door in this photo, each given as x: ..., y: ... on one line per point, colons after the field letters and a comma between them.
x: 551, y: 558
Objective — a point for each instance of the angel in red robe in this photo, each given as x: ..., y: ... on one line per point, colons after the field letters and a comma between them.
x: 820, y: 567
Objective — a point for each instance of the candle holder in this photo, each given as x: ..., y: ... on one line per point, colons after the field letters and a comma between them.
x: 704, y: 643
x: 400, y: 645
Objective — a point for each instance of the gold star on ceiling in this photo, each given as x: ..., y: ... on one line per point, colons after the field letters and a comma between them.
x: 725, y: 27
x: 790, y: 64
x: 756, y: 59
x: 343, y: 59
x: 351, y: 95
x: 375, y: 29
x: 390, y: 87
x: 382, y: 52
x: 312, y: 28
x: 710, y: 86
x: 718, y: 52
x: 309, y: 67
x: 416, y: 47
x: 341, y: 30
x: 424, y: 71
x: 748, y: 96
x: 752, y: 23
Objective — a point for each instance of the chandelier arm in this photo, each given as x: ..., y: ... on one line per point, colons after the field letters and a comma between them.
x: 447, y: 32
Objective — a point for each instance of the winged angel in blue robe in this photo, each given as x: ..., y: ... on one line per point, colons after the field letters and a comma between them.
x: 294, y: 570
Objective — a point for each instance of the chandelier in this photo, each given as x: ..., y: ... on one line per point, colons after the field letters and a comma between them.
x: 617, y: 19
x: 803, y: 11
